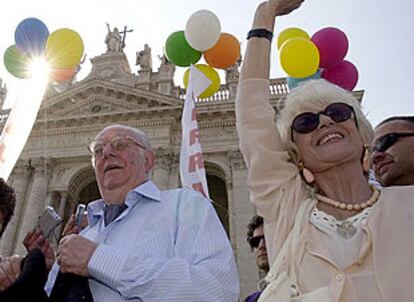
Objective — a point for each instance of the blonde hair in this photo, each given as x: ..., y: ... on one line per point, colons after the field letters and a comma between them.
x: 314, y: 96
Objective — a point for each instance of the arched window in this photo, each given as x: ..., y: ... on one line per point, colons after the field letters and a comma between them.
x: 218, y: 192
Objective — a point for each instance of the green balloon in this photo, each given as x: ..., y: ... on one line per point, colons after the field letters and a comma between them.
x: 179, y: 52
x: 16, y: 62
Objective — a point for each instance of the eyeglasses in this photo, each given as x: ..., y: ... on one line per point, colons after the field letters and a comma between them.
x: 308, y: 121
x: 386, y: 141
x: 255, y: 241
x: 117, y: 143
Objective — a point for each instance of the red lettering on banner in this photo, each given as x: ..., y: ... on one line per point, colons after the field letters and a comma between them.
x: 195, y: 162
x: 194, y: 134
x: 199, y: 187
x: 193, y: 115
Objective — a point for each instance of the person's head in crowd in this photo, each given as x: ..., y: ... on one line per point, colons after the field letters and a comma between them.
x: 336, y: 115
x: 257, y: 242
x: 123, y: 159
x: 393, y: 151
x: 7, y: 204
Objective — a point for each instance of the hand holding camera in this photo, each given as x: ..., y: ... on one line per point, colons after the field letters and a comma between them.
x: 77, y: 221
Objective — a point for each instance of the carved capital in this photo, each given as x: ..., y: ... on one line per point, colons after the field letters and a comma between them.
x: 42, y: 166
x: 163, y: 157
x: 236, y: 160
x: 23, y: 168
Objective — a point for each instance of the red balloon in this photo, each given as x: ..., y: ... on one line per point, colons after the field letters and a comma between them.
x: 332, y: 44
x: 61, y: 75
x: 343, y: 74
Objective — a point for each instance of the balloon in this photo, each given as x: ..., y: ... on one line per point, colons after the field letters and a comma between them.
x: 343, y: 74
x: 16, y: 62
x: 294, y: 82
x: 64, y: 48
x: 332, y: 44
x: 299, y: 57
x: 225, y: 53
x: 30, y: 36
x: 289, y: 33
x: 179, y: 52
x: 210, y: 73
x: 62, y: 75
x: 202, y: 30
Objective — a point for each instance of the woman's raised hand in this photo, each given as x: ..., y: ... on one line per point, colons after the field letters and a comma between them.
x: 282, y: 7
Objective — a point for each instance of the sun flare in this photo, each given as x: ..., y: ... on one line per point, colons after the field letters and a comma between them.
x: 39, y: 69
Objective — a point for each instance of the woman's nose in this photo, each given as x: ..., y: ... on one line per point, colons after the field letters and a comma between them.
x: 324, y: 121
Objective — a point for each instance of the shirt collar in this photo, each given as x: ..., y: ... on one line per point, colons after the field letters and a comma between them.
x: 147, y: 189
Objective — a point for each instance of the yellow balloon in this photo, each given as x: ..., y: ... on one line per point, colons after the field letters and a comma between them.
x: 64, y: 48
x: 299, y: 57
x: 289, y: 33
x: 210, y: 73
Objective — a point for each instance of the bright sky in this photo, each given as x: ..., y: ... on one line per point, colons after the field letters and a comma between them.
x: 380, y: 34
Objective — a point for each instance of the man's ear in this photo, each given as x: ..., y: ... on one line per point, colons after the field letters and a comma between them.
x: 149, y: 160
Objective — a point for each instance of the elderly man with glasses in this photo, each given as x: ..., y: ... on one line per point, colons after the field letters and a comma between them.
x: 393, y: 151
x: 143, y: 244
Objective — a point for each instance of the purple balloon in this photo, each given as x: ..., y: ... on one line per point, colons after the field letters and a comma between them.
x: 343, y: 74
x: 332, y: 44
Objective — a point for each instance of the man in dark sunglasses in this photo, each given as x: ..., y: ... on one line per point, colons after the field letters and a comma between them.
x: 256, y: 240
x: 393, y: 151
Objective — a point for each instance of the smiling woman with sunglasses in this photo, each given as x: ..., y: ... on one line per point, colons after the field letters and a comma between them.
x: 330, y: 234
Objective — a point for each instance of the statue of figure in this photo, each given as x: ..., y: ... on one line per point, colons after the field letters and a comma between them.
x: 164, y: 60
x: 113, y: 40
x: 144, y: 59
x: 232, y: 73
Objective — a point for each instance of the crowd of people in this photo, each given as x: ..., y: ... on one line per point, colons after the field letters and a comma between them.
x: 326, y: 231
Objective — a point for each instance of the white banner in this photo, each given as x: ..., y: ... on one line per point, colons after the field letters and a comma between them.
x: 19, y: 124
x: 192, y: 171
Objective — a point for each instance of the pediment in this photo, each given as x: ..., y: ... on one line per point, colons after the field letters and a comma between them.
x: 97, y: 97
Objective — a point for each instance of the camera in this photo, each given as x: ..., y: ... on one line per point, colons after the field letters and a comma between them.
x: 48, y: 221
x: 80, y: 212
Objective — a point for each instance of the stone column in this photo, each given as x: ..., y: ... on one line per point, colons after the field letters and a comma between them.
x: 174, y: 181
x: 62, y: 206
x: 243, y: 210
x: 36, y: 202
x: 21, y: 175
x: 162, y: 168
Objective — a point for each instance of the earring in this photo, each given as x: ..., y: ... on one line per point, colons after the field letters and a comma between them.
x: 366, y: 160
x: 306, y: 173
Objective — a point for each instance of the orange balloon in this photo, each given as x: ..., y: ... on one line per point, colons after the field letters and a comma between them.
x: 61, y: 75
x: 225, y: 53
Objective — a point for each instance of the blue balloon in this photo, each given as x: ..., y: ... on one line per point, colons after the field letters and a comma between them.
x: 294, y: 82
x: 30, y: 36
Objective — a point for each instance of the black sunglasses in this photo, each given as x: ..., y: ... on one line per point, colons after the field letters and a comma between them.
x: 255, y: 241
x: 308, y: 121
x: 386, y: 141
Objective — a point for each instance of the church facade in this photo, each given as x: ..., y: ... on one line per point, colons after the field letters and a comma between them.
x: 55, y: 166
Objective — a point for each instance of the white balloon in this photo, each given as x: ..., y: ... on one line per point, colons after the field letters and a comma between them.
x: 202, y: 31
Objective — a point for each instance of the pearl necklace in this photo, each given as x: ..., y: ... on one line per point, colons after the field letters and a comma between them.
x: 348, y: 206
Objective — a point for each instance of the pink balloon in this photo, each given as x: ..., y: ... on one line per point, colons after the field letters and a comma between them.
x: 343, y: 74
x: 332, y: 44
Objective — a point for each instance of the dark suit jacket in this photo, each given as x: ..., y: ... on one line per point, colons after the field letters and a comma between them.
x: 29, y: 286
